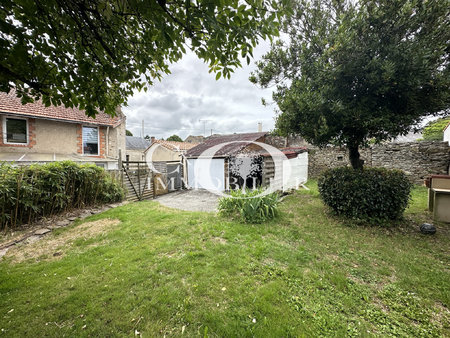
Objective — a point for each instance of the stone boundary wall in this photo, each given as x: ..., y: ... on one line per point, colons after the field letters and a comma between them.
x: 417, y: 159
x: 284, y: 142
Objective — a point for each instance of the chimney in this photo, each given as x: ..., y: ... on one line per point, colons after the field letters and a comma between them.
x: 259, y: 127
x: 152, y: 140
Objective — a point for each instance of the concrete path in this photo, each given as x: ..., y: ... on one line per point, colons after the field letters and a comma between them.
x: 190, y: 200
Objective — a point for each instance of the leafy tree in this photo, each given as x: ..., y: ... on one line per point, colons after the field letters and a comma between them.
x: 434, y: 130
x: 147, y: 137
x: 359, y: 70
x: 174, y: 138
x: 92, y: 54
x: 128, y: 133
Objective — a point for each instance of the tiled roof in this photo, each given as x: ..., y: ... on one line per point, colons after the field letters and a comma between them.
x: 174, y: 145
x: 289, y: 152
x: 228, y: 150
x: 10, y: 103
x: 136, y: 143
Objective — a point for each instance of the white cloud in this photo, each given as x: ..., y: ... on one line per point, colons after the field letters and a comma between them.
x: 177, y: 103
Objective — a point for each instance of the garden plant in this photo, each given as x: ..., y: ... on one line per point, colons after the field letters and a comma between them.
x: 250, y: 206
x: 30, y: 192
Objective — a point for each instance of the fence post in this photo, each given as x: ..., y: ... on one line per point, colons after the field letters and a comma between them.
x: 139, y: 180
x: 120, y: 166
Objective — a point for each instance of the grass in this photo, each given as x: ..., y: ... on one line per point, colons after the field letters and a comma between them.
x: 165, y: 272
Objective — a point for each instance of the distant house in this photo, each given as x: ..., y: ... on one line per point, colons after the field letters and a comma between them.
x: 33, y: 133
x: 167, y: 156
x: 194, y: 139
x: 135, y: 148
x: 447, y: 133
x: 168, y: 151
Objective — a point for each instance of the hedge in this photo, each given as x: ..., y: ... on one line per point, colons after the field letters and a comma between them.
x: 370, y: 194
x: 30, y: 192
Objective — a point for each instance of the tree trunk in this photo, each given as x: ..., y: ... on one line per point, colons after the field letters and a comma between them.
x: 354, y: 156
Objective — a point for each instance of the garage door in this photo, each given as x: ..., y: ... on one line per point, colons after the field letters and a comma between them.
x: 206, y: 173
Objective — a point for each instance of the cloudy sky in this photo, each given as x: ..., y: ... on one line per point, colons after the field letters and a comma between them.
x: 178, y: 103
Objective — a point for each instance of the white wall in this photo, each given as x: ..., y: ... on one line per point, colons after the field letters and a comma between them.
x: 206, y: 173
x: 295, y: 171
x: 447, y: 135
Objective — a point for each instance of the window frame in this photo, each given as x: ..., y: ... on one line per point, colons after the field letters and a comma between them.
x: 5, y: 131
x: 98, y: 140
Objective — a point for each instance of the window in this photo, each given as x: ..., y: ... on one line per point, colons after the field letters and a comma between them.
x: 16, y: 131
x: 90, y: 140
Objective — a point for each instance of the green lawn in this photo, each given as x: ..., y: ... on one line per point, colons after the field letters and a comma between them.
x: 165, y: 272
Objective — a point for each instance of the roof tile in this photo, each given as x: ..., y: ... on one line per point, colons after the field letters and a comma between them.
x: 10, y: 103
x: 174, y: 145
x: 238, y: 142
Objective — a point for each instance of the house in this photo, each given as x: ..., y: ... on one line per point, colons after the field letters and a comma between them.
x: 447, y: 133
x: 238, y: 161
x: 194, y: 139
x: 168, y: 151
x: 168, y: 157
x: 33, y: 133
x: 135, y: 148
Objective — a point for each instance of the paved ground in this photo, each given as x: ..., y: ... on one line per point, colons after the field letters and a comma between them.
x: 190, y: 200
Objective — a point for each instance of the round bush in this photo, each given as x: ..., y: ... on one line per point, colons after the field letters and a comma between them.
x: 368, y: 194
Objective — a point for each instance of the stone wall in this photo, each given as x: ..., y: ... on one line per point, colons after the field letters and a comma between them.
x: 284, y: 142
x: 332, y: 157
x: 417, y: 159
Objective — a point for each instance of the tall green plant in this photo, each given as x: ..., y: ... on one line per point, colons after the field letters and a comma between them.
x: 249, y: 205
x: 30, y: 192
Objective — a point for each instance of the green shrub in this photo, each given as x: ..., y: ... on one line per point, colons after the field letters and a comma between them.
x: 250, y: 207
x: 30, y: 192
x: 368, y: 194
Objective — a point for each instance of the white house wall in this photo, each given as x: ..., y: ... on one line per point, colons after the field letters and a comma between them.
x: 447, y: 135
x: 206, y: 173
x: 295, y: 171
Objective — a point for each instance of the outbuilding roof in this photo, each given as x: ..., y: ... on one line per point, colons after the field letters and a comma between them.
x: 238, y: 142
x: 11, y: 104
x: 136, y: 143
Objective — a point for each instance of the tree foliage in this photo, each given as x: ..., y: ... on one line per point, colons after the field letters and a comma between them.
x: 356, y: 71
x: 175, y: 138
x: 434, y: 130
x: 93, y: 54
x: 128, y: 133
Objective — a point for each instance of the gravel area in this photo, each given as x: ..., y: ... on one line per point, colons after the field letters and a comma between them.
x: 190, y: 200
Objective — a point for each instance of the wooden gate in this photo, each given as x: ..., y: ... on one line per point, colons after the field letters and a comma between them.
x: 174, y: 174
x: 138, y: 180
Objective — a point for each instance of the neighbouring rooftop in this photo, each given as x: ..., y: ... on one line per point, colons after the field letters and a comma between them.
x: 136, y: 143
x: 10, y: 103
x: 236, y: 142
x: 174, y: 145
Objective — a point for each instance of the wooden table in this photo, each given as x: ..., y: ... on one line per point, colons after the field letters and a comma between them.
x: 441, y: 204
